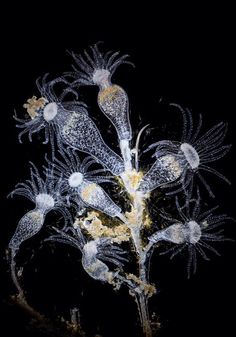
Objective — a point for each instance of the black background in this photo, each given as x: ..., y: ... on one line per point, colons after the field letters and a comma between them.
x: 181, y: 55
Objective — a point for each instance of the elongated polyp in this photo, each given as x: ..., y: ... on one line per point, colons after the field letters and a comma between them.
x: 166, y: 169
x: 113, y: 101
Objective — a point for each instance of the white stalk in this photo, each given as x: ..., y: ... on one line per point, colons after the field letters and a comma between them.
x: 135, y: 224
x: 126, y: 154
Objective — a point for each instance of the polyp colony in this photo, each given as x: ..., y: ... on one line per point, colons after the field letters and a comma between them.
x: 71, y: 181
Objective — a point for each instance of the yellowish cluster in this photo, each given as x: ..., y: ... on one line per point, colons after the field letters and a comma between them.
x: 96, y: 229
x: 88, y: 191
x: 134, y: 219
x: 147, y: 221
x: 33, y: 105
x: 109, y: 94
x: 134, y: 178
x: 148, y: 289
x: 132, y: 216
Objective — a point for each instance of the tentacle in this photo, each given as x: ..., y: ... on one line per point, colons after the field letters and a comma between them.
x: 205, y: 245
x: 181, y: 213
x: 202, y: 253
x: 213, y: 171
x: 65, y: 213
x: 190, y: 126
x: 137, y: 147
x: 215, y: 155
x: 211, y: 134
x: 111, y: 260
x: 177, y: 251
x: 195, y: 135
x: 206, y: 145
x: 190, y: 261
x: 207, y: 214
x: 166, y: 216
x: 77, y: 242
x: 197, y: 207
x: 206, y: 185
x: 185, y: 121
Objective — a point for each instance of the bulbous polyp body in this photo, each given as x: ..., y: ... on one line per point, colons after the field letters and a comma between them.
x: 94, y: 267
x: 113, y: 102
x: 166, y: 169
x: 174, y: 233
x: 29, y: 225
x: 93, y: 195
x: 179, y: 233
x: 80, y: 132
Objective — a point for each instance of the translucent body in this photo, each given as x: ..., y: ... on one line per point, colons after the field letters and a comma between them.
x: 46, y: 195
x: 112, y: 99
x: 113, y: 102
x: 175, y: 164
x: 78, y: 181
x: 97, y: 269
x: 94, y: 253
x: 94, y: 196
x: 188, y: 157
x: 73, y: 171
x: 189, y: 232
x: 193, y: 232
x: 165, y: 169
x: 29, y: 225
x: 78, y: 131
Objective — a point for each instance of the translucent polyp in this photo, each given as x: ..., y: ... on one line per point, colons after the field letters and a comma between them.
x: 93, y: 266
x: 80, y: 132
x: 113, y: 102
x: 166, y: 169
x: 29, y: 225
x: 93, y: 195
x: 179, y: 233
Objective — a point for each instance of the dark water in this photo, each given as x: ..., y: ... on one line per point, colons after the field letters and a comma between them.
x: 189, y: 61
